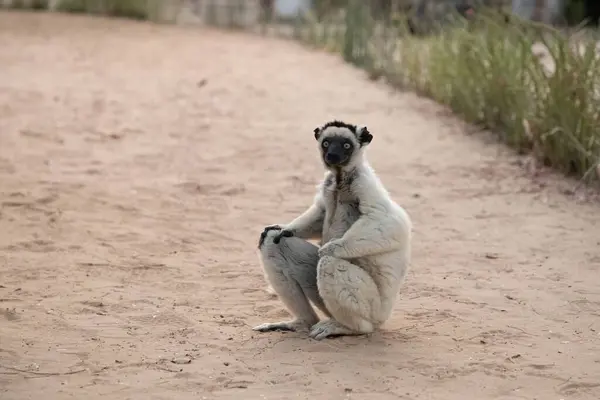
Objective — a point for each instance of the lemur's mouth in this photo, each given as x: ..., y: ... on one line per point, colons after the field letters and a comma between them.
x: 335, y: 160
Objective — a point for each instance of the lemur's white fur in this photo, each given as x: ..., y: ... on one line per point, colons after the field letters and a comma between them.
x: 365, y: 248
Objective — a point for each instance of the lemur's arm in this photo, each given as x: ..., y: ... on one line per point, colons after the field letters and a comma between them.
x: 308, y: 225
x: 371, y: 234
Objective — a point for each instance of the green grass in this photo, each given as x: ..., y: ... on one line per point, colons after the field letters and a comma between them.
x: 487, y: 72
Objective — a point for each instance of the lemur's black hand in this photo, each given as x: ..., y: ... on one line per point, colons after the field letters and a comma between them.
x: 282, y: 233
x: 275, y: 227
x: 276, y: 238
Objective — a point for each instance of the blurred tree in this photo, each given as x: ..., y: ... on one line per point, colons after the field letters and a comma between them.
x: 592, y: 10
x: 574, y: 11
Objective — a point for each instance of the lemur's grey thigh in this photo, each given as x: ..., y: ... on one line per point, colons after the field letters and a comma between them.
x: 292, y: 264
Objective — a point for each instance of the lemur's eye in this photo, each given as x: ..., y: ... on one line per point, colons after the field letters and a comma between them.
x: 325, y: 143
x: 347, y: 145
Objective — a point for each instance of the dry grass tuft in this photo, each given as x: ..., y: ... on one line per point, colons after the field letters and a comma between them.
x: 537, y: 87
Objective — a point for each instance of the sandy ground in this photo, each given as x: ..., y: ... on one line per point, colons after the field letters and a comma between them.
x: 138, y: 165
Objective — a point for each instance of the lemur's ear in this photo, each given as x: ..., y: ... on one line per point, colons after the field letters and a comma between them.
x: 317, y: 132
x: 363, y: 135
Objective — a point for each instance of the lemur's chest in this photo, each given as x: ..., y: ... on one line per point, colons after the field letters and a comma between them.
x: 341, y: 210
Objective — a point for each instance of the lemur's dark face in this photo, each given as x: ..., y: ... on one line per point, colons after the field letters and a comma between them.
x: 340, y: 142
x: 337, y: 150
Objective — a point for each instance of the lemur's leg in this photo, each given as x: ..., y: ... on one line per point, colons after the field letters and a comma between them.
x: 350, y: 295
x: 291, y: 268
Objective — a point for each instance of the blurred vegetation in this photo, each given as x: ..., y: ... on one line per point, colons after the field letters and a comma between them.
x: 536, y: 87
x: 574, y: 11
x: 39, y: 4
x: 28, y: 4
x: 134, y: 9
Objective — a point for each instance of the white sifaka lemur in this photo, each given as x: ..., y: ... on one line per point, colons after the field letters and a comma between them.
x: 365, y: 245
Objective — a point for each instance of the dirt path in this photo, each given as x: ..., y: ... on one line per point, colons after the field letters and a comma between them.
x: 138, y: 165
